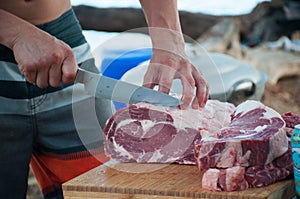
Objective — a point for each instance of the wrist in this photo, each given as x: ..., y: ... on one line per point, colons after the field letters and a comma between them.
x: 167, y: 40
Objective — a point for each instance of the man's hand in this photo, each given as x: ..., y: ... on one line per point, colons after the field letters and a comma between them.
x: 169, y: 60
x: 43, y: 59
x: 166, y: 66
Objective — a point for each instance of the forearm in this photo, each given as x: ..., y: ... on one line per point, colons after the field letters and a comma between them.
x: 162, y: 14
x: 164, y: 24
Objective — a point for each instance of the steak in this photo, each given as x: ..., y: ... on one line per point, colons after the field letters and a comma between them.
x: 279, y: 169
x: 255, y: 136
x: 147, y: 133
x: 291, y: 120
x: 240, y: 178
x: 254, y: 176
x: 230, y: 179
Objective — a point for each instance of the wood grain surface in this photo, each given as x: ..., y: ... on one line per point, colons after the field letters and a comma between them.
x: 159, y: 181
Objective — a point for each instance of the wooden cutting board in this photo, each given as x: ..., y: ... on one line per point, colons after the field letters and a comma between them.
x: 159, y: 181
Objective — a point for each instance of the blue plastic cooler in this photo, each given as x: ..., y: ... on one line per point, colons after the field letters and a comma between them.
x: 116, y: 62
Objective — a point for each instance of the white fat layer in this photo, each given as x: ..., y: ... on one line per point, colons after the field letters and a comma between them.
x: 278, y: 145
x: 232, y: 175
x: 182, y: 118
x: 252, y: 104
x: 210, y: 179
x: 216, y: 111
x: 124, y: 122
x: 208, y: 138
x: 141, y: 156
x: 271, y: 113
x: 259, y: 129
x: 248, y: 105
x: 156, y: 156
x: 147, y: 124
x: 244, y: 136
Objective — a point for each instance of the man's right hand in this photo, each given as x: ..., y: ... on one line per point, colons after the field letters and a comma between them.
x: 43, y: 59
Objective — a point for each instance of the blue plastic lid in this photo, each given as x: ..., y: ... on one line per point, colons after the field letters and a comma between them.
x: 116, y: 63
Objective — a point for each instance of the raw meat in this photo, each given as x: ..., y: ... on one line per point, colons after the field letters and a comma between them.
x: 238, y: 147
x: 254, y: 176
x: 230, y: 179
x: 255, y: 136
x: 259, y: 175
x: 279, y: 169
x: 291, y: 120
x: 147, y: 133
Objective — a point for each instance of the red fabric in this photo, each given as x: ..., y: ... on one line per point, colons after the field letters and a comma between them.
x: 52, y: 170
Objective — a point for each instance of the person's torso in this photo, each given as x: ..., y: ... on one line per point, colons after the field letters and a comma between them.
x: 36, y: 11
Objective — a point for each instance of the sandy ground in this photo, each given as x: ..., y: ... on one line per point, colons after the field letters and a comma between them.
x: 285, y: 96
x: 33, y: 191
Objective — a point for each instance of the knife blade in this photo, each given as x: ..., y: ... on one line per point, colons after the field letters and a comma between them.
x: 120, y: 91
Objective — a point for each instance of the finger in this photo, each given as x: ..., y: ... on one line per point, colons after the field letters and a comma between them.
x: 55, y: 75
x: 148, y: 81
x: 30, y: 76
x: 166, y: 78
x: 206, y: 95
x: 201, y: 97
x: 69, y: 70
x: 202, y: 91
x: 188, y: 85
x: 22, y: 69
x: 42, y: 78
x: 165, y: 82
x: 29, y: 72
x: 151, y: 86
x: 195, y: 103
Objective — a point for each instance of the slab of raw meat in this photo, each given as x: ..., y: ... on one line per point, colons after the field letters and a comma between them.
x: 230, y: 179
x: 239, y: 147
x: 254, y: 176
x: 147, y: 133
x: 239, y: 178
x: 291, y: 120
x: 256, y: 136
x: 279, y: 169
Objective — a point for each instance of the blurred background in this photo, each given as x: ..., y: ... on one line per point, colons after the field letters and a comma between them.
x: 247, y: 38
x: 214, y: 7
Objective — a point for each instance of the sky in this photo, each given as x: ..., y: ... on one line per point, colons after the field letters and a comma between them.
x: 215, y: 7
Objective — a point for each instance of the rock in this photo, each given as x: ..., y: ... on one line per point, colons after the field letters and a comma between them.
x: 224, y: 37
x: 277, y: 64
x: 284, y: 96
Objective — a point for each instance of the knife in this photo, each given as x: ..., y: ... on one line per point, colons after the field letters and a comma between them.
x: 120, y: 91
